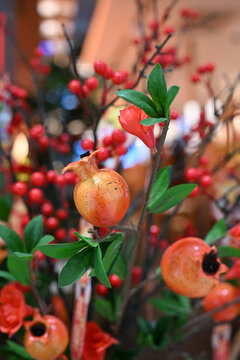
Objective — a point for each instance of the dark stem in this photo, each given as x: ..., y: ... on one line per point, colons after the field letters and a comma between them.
x: 35, y: 292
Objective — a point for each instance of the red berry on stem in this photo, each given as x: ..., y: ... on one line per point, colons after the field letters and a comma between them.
x: 101, y: 289
x: 115, y: 281
x: 174, y: 115
x: 100, y: 67
x: 85, y: 91
x: 102, y: 154
x: 87, y: 144
x: 92, y: 83
x: 71, y: 233
x: 136, y: 275
x: 62, y: 214
x: 205, y: 181
x: 107, y: 140
x: 119, y: 136
x: 35, y: 195
x: 47, y: 209
x: 60, y: 180
x: 203, y: 160
x: 60, y: 234
x: 37, y: 179
x: 120, y: 150
x: 19, y: 188
x: 169, y: 30
x: 154, y: 230
x: 52, y: 223
x: 51, y: 176
x: 108, y: 73
x: 202, y: 69
x: 195, y: 192
x: 75, y: 87
x: 153, y: 24
x: 210, y: 67
x: 118, y: 78
x: 36, y: 131
x: 192, y: 174
x: 195, y: 77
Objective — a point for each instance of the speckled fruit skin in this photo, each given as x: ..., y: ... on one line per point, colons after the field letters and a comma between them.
x: 52, y: 343
x: 182, y: 271
x: 220, y: 295
x: 101, y: 195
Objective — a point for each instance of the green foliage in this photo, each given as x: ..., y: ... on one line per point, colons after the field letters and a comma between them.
x: 99, y: 268
x: 160, y: 186
x: 18, y: 268
x: 6, y: 275
x: 170, y: 306
x: 155, y: 334
x: 33, y: 233
x: 109, y: 308
x: 18, y: 350
x: 228, y: 251
x: 157, y: 88
x: 218, y: 230
x: 152, y: 121
x: 5, y: 207
x: 171, y: 94
x: 62, y: 251
x: 11, y: 238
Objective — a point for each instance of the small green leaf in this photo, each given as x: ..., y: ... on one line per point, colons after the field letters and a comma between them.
x: 33, y: 233
x: 11, y: 238
x: 169, y: 306
x: 161, y: 332
x: 218, y: 230
x: 99, y: 268
x: 160, y: 185
x: 140, y: 100
x: 172, y: 197
x: 105, y: 308
x: 152, y: 121
x: 89, y: 241
x: 18, y: 268
x: 112, y: 252
x: 5, y: 207
x: 75, y: 267
x: 25, y: 256
x: 157, y: 88
x: 171, y: 94
x: 62, y: 251
x: 43, y: 241
x: 6, y: 275
x: 228, y: 251
x: 120, y: 267
x: 18, y: 349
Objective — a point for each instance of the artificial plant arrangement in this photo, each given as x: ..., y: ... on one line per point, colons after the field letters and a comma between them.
x: 102, y: 317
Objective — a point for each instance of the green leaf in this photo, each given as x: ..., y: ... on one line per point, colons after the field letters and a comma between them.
x: 6, y: 275
x: 161, y: 332
x: 62, y: 251
x: 112, y: 252
x: 43, y: 241
x: 5, y: 207
x: 11, y: 238
x: 160, y: 186
x: 25, y: 256
x: 157, y: 88
x: 228, y: 251
x: 140, y: 100
x: 99, y: 268
x: 169, y: 306
x: 33, y: 233
x: 18, y: 349
x: 75, y: 267
x: 152, y: 121
x: 89, y: 241
x: 172, y: 197
x: 171, y: 94
x: 105, y: 308
x: 120, y: 267
x: 18, y: 268
x: 218, y: 230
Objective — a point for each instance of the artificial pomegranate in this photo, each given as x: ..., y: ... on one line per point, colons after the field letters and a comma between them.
x: 101, y: 195
x: 191, y: 267
x: 220, y: 295
x: 46, y: 337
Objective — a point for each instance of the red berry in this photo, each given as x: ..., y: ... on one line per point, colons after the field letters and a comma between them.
x: 203, y: 160
x: 60, y: 180
x: 101, y: 289
x: 163, y: 244
x: 169, y: 30
x: 60, y: 234
x: 35, y: 195
x: 47, y: 209
x: 100, y: 67
x: 118, y: 78
x: 92, y: 82
x: 194, y: 14
x: 51, y: 176
x: 201, y: 69
x: 87, y: 144
x: 192, y: 174
x: 52, y: 223
x: 85, y: 91
x: 195, y: 192
x: 102, y: 154
x: 152, y: 240
x: 36, y: 131
x: 37, y: 179
x: 65, y: 137
x: 62, y: 214
x: 19, y: 188
x: 75, y: 87
x: 71, y: 233
x: 174, y: 115
x: 120, y: 150
x: 206, y: 181
x: 187, y: 137
x: 185, y: 12
x: 69, y: 177
x: 153, y: 24
x: 107, y: 140
x: 115, y: 281
x: 195, y: 77
x: 22, y: 93
x: 136, y: 40
x: 43, y: 142
x: 108, y: 73
x: 119, y: 136
x: 210, y: 67
x: 154, y: 230
x: 136, y: 275
x: 63, y: 148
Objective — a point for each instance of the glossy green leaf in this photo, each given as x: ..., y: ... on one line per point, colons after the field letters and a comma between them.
x: 152, y: 121
x: 18, y: 268
x: 11, y: 238
x: 62, y: 251
x: 5, y: 207
x: 157, y: 88
x: 25, y: 256
x: 18, y: 349
x: 99, y: 268
x: 141, y: 100
x: 171, y: 197
x: 120, y: 267
x: 105, y: 308
x: 160, y: 185
x: 218, y: 230
x: 169, y: 306
x: 43, y: 241
x: 33, y: 233
x: 228, y: 251
x: 75, y: 267
x: 171, y: 94
x: 6, y: 275
x: 89, y: 241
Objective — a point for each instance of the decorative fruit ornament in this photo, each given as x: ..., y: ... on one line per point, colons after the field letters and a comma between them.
x: 46, y: 337
x: 191, y: 267
x: 220, y: 295
x: 101, y: 195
